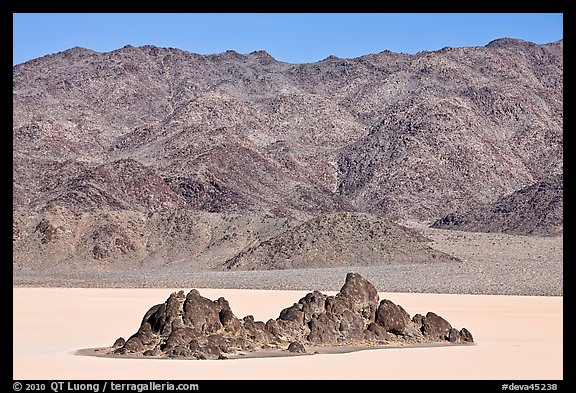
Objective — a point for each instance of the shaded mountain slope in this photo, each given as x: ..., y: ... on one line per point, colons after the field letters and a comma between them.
x: 536, y: 209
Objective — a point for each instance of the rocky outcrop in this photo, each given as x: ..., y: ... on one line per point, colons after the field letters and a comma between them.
x: 296, y: 347
x: 192, y: 326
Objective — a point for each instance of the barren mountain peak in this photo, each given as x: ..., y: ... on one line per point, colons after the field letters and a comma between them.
x: 260, y: 54
x: 508, y: 42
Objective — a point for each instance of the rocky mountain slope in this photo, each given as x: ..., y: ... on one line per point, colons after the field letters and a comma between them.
x: 536, y: 209
x: 133, y: 155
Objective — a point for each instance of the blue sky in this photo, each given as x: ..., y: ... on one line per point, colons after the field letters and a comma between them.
x: 294, y: 38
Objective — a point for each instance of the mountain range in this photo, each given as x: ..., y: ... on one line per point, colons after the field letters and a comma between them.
x: 153, y: 156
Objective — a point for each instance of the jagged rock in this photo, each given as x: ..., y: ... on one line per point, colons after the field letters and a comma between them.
x: 335, y: 306
x: 230, y: 323
x: 313, y: 304
x: 199, y: 356
x: 181, y: 337
x: 378, y: 332
x: 133, y: 345
x: 237, y: 344
x: 394, y: 319
x: 193, y: 326
x: 201, y: 313
x: 323, y: 330
x: 256, y: 330
x: 149, y: 313
x: 290, y: 330
x: 293, y: 313
x: 296, y: 347
x: 119, y: 342
x: 194, y: 345
x: 211, y: 351
x: 391, y: 317
x: 146, y: 335
x: 272, y: 327
x: 218, y: 341
x: 466, y: 336
x: 435, y: 326
x: 166, y: 314
x: 351, y: 327
x: 417, y: 319
x: 179, y: 352
x: 360, y: 295
x: 454, y: 336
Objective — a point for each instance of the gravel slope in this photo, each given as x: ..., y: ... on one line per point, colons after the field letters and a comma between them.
x: 491, y: 263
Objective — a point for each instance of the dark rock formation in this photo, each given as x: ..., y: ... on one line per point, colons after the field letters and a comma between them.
x: 466, y: 336
x: 435, y: 326
x: 120, y: 341
x: 195, y: 327
x: 360, y: 296
x: 133, y: 345
x: 296, y: 347
x: 391, y: 317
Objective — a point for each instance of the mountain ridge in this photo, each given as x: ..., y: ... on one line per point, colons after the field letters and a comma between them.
x: 146, y: 130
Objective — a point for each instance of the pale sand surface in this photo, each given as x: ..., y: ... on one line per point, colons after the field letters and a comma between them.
x: 518, y: 337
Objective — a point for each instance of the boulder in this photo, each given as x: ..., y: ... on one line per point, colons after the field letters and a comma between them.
x: 133, y: 345
x: 201, y: 314
x: 199, y: 356
x: 273, y: 328
x: 313, y: 304
x: 417, y: 319
x: 216, y: 340
x: 119, y: 342
x: 181, y: 337
x: 360, y: 295
x: 146, y: 335
x: 179, y: 352
x: 460, y: 337
x: 435, y: 327
x: 256, y: 330
x: 149, y: 314
x: 120, y: 351
x: 454, y: 336
x: 296, y: 347
x: 379, y: 332
x: 335, y: 307
x: 466, y: 336
x: 393, y: 318
x: 194, y: 345
x: 161, y: 318
x: 293, y: 313
x: 291, y: 330
x: 231, y: 324
x: 323, y: 330
x: 351, y: 327
x: 211, y: 351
